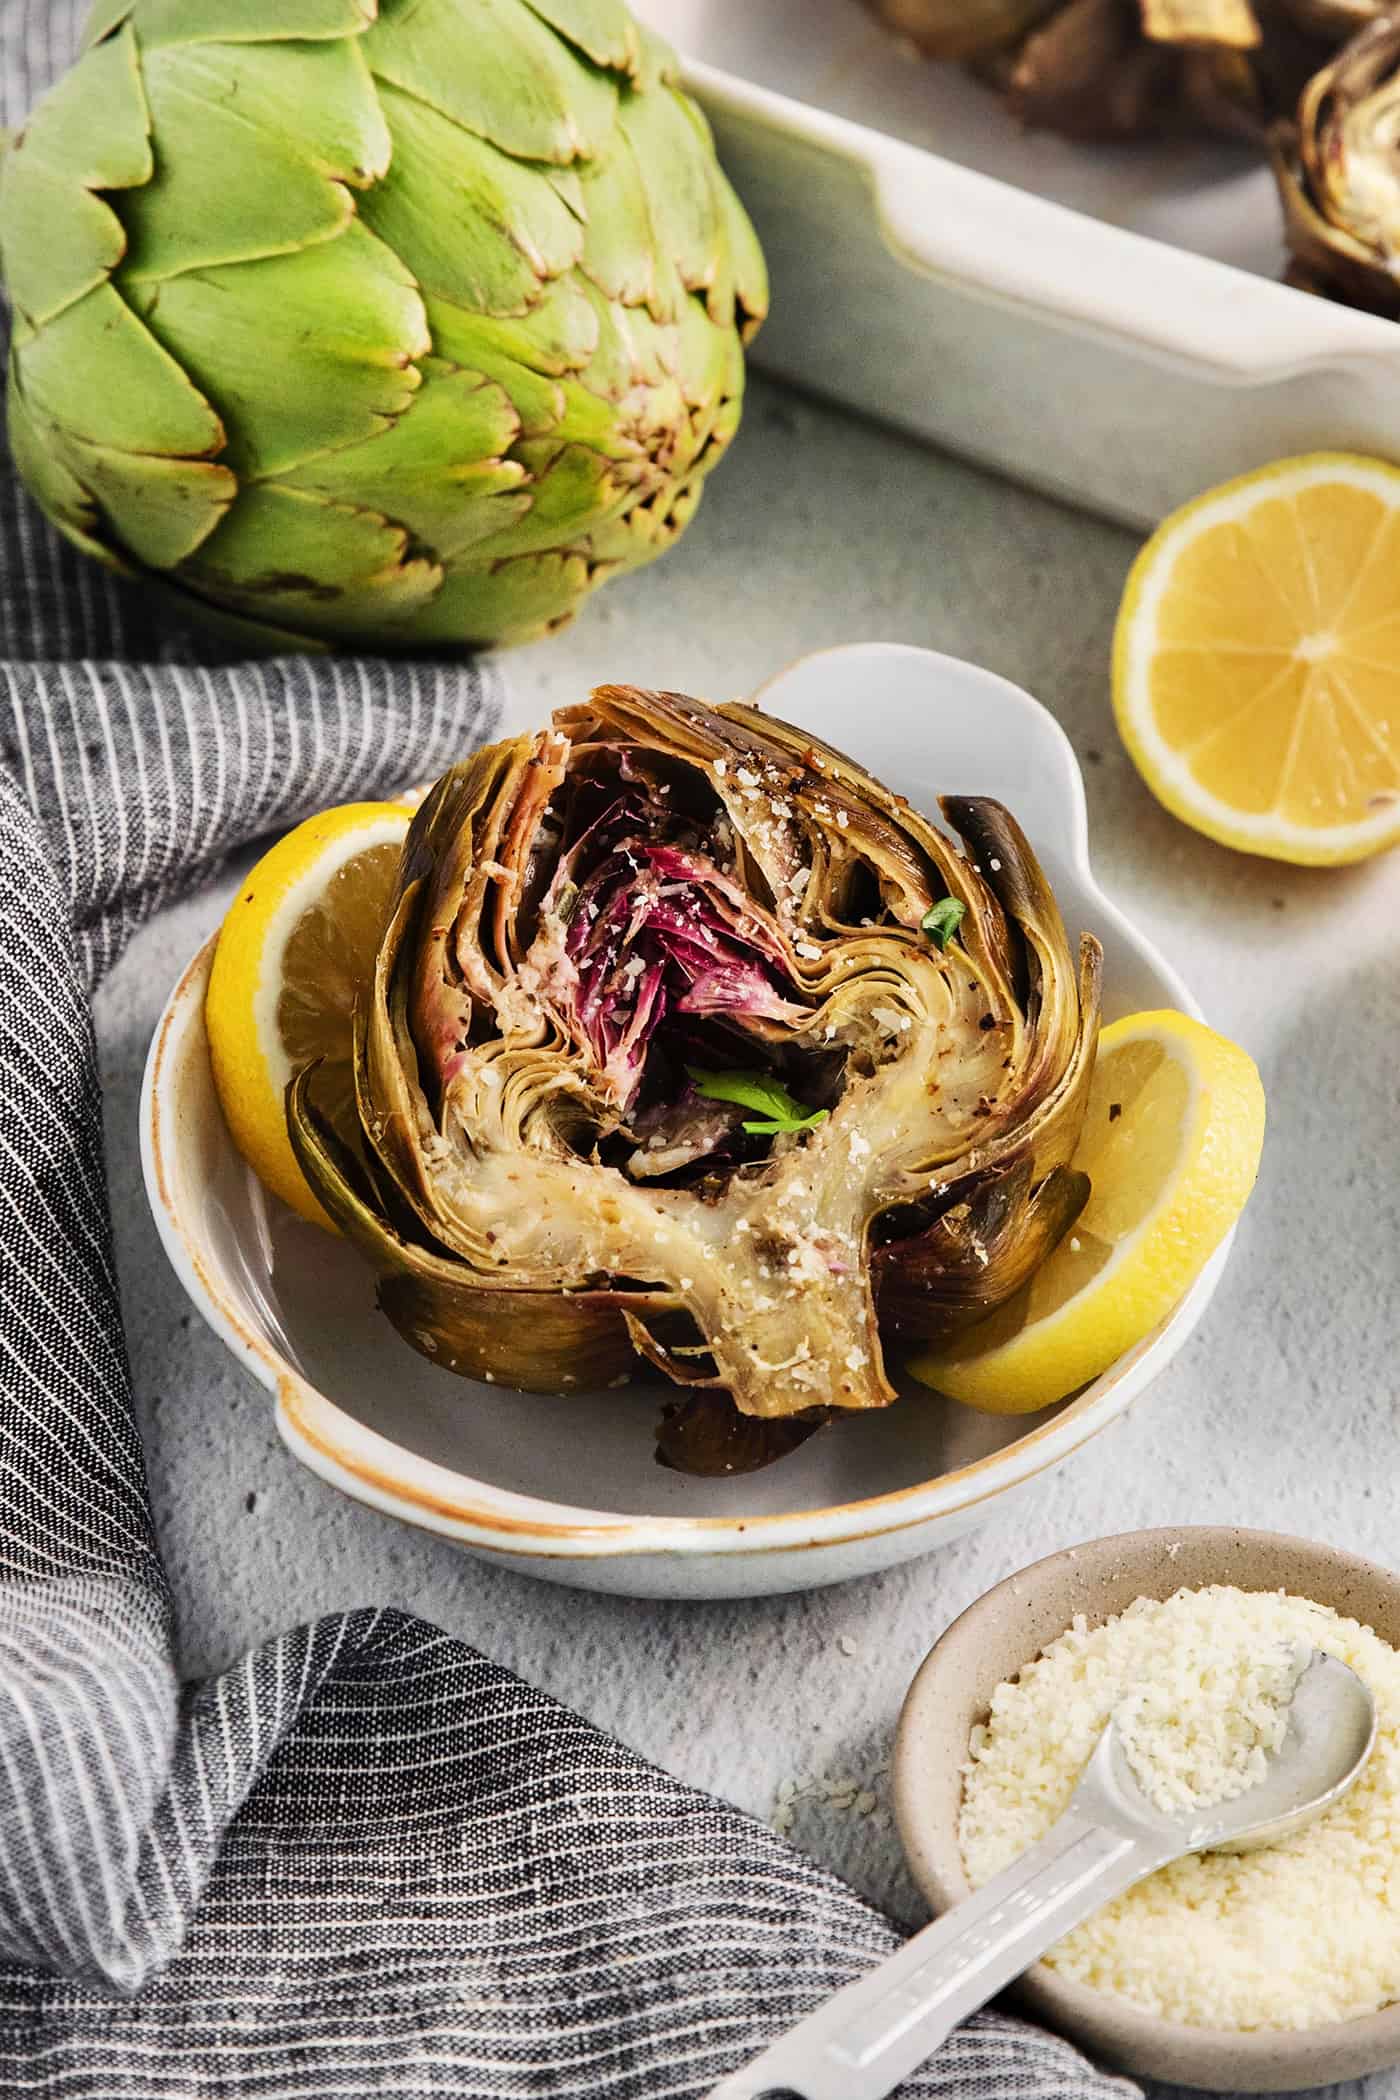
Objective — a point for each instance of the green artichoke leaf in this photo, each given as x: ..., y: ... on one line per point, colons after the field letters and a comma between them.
x: 59, y: 239
x: 587, y: 419
x: 684, y: 208
x: 568, y: 410
x: 512, y: 600
x: 536, y: 98
x: 294, y: 557
x: 473, y: 225
x: 335, y: 366
x: 258, y: 149
x: 659, y: 63
x: 39, y: 456
x: 638, y: 534
x: 632, y: 351
x: 602, y: 30
x: 474, y: 343
x: 244, y: 21
x: 96, y: 130
x: 244, y: 632
x: 710, y: 373
x: 621, y: 254
x: 555, y: 338
x: 103, y: 17
x: 571, y: 493
x: 442, y: 471
x: 747, y: 268
x: 746, y: 271
x: 160, y: 510
x: 145, y: 402
x: 568, y: 188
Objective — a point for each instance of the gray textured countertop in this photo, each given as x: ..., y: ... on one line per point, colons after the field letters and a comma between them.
x: 1281, y: 1411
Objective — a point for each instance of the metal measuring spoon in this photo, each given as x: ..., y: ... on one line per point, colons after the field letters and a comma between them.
x: 873, y: 2034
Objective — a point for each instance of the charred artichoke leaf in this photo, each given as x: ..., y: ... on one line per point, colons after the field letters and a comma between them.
x: 1202, y: 24
x: 1122, y: 69
x: 961, y: 28
x: 703, y: 1435
x: 1334, y: 19
x: 1090, y: 74
x: 1339, y: 174
x: 572, y: 907
x: 977, y: 1254
x: 1062, y: 1014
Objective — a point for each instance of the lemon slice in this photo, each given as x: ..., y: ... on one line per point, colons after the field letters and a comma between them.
x: 297, y: 942
x: 1256, y: 663
x: 1171, y: 1145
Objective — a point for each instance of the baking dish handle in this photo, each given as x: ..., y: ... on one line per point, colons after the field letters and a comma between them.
x: 1075, y: 273
x: 1086, y: 276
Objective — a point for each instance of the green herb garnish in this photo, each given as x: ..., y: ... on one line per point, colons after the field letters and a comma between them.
x: 942, y: 920
x: 776, y: 1108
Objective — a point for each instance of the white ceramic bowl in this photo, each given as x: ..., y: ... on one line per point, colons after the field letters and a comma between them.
x: 568, y: 1487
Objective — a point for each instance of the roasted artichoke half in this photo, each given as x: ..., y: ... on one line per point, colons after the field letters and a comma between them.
x: 1113, y: 69
x: 1338, y: 172
x: 690, y: 1045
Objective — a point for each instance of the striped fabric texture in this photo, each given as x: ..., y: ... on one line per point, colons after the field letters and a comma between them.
x: 366, y: 1861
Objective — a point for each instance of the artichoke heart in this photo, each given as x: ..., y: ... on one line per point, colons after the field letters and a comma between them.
x: 690, y: 1045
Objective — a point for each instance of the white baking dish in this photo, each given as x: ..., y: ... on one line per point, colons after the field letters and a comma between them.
x: 1103, y: 323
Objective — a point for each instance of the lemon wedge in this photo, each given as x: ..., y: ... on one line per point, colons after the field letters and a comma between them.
x: 298, y: 940
x: 1171, y: 1145
x: 1256, y: 663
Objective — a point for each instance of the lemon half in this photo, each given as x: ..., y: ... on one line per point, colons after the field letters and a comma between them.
x: 298, y: 941
x: 1171, y: 1145
x: 1256, y: 662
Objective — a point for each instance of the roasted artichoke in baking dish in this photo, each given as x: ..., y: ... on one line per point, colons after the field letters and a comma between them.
x: 690, y: 1045
x: 1117, y: 69
x: 1338, y: 170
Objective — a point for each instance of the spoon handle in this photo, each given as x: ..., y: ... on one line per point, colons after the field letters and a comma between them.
x: 870, y: 2036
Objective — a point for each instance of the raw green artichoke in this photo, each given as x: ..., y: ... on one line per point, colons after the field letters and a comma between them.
x: 404, y: 321
x: 690, y: 1043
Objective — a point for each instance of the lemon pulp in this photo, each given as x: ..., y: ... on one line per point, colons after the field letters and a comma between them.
x: 1257, y: 660
x: 297, y: 944
x: 1171, y: 1142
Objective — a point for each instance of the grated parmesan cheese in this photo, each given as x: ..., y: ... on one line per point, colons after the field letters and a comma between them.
x: 1295, y: 1936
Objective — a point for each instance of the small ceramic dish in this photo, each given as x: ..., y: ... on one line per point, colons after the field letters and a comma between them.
x: 1005, y: 1630
x: 568, y: 1487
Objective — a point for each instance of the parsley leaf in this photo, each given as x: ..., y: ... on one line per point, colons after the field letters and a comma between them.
x: 776, y: 1110
x: 942, y: 921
